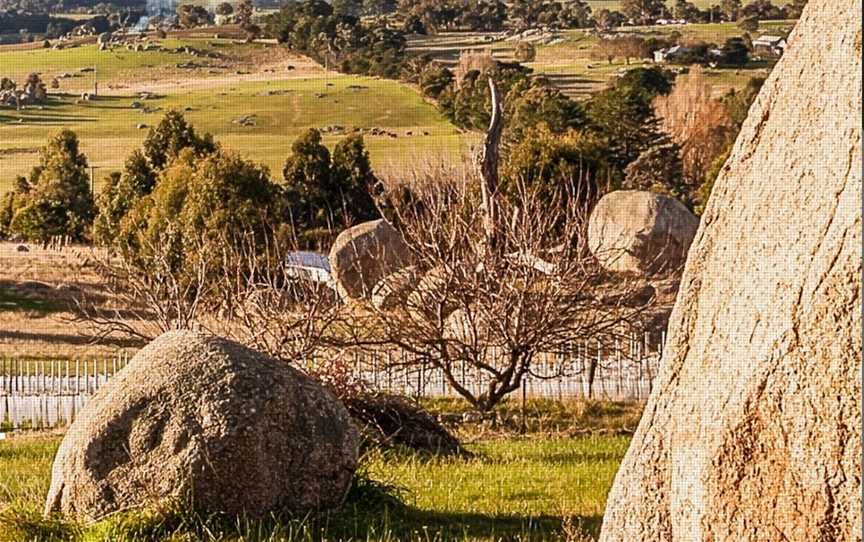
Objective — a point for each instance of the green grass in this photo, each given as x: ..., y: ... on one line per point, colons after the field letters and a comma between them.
x: 283, y: 107
x: 13, y: 301
x: 575, y: 67
x: 513, y: 489
x: 109, y: 65
x: 108, y: 129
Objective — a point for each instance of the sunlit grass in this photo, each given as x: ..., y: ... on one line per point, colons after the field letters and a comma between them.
x: 509, y: 489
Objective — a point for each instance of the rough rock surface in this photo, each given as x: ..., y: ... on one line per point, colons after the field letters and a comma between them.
x: 641, y: 233
x: 753, y: 431
x: 364, y: 254
x: 196, y: 416
x: 392, y: 290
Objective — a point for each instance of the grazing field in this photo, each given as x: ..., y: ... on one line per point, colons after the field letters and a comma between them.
x: 255, y: 100
x: 541, y: 488
x: 597, y: 5
x: 38, y: 290
x: 574, y: 66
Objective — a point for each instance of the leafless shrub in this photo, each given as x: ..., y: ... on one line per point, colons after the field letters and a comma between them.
x: 274, y: 301
x: 495, y: 310
x: 144, y: 302
x: 696, y: 121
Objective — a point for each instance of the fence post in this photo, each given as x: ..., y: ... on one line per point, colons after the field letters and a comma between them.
x: 646, y: 341
x: 524, y: 403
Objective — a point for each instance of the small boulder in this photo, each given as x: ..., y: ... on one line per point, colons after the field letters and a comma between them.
x: 363, y: 254
x: 196, y: 416
x: 393, y: 290
x: 640, y: 233
x: 22, y: 248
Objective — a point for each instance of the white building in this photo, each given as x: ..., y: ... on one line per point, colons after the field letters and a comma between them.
x: 774, y: 45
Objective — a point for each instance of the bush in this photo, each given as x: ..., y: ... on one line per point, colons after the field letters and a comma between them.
x: 56, y: 200
x: 659, y: 169
x: 327, y: 193
x: 551, y: 163
x: 172, y: 135
x: 122, y: 191
x: 197, y: 206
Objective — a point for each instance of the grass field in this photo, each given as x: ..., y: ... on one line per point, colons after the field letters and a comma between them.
x: 253, y: 81
x: 574, y: 65
x: 512, y: 489
x: 597, y: 5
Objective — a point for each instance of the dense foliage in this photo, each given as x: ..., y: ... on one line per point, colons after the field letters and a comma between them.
x: 55, y: 199
x: 326, y: 193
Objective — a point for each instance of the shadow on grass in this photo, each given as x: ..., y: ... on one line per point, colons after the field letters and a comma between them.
x: 13, y: 299
x: 352, y: 522
x: 69, y: 339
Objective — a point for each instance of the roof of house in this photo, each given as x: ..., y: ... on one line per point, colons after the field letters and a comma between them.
x: 768, y: 40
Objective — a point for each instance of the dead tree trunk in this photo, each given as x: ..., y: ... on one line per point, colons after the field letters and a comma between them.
x: 489, y: 168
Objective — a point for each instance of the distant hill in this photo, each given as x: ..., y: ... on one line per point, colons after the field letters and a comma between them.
x: 64, y: 6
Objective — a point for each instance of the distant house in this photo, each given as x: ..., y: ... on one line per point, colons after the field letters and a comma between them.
x: 309, y: 265
x: 670, y: 54
x: 769, y: 45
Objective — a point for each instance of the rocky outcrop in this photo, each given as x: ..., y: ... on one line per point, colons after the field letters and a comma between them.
x: 753, y: 431
x: 364, y: 254
x: 197, y: 417
x: 640, y: 233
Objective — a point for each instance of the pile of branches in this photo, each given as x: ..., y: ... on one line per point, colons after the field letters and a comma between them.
x: 388, y: 421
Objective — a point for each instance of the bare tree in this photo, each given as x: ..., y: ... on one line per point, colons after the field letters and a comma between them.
x: 144, y: 301
x: 471, y: 311
x: 697, y: 121
x: 274, y: 301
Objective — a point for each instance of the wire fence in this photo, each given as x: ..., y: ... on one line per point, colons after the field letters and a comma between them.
x: 38, y: 394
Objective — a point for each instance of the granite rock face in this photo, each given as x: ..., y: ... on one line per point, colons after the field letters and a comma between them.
x: 364, y: 254
x: 641, y: 233
x: 194, y: 416
x: 753, y: 431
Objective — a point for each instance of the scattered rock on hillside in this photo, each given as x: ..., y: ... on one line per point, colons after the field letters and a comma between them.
x: 363, y: 254
x: 200, y: 417
x: 640, y: 233
x: 753, y: 431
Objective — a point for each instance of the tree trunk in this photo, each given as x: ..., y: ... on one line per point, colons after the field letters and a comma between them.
x: 489, y: 168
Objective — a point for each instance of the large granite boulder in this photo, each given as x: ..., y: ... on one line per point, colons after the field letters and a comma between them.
x: 640, y: 233
x: 196, y: 416
x: 364, y: 254
x: 753, y: 431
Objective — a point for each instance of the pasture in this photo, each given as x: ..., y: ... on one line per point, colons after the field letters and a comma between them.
x: 255, y: 100
x: 574, y: 65
x: 515, y: 488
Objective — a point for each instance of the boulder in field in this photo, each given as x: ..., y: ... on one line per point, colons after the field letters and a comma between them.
x: 753, y: 430
x: 196, y: 416
x: 364, y: 254
x: 393, y: 290
x: 640, y: 233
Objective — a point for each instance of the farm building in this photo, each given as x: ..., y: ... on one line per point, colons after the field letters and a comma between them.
x: 666, y: 55
x: 770, y: 45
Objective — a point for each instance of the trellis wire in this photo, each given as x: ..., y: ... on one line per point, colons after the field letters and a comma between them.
x: 49, y: 393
